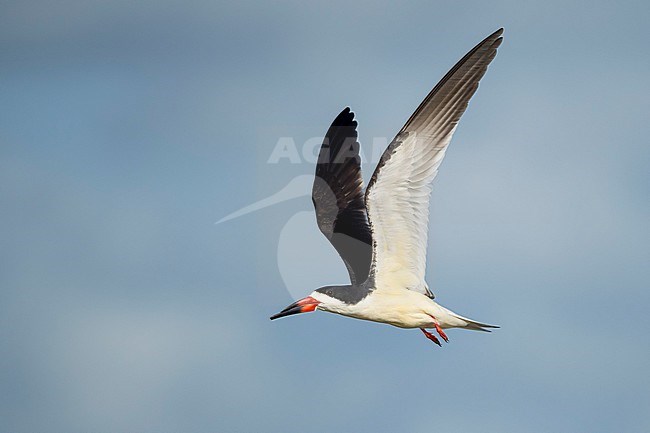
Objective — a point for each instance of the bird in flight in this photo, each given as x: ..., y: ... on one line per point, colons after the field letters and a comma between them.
x: 381, y: 234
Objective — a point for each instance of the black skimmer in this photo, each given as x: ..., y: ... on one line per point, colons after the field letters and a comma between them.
x: 382, y: 235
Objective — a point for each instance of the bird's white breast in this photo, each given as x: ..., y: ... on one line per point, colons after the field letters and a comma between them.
x: 402, y: 308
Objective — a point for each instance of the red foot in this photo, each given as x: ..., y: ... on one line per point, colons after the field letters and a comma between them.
x: 439, y: 329
x: 430, y: 336
x: 442, y: 333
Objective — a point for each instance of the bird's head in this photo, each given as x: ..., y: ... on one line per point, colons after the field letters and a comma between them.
x: 303, y: 305
x: 322, y: 299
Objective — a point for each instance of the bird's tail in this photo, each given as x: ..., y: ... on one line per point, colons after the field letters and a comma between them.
x: 473, y: 325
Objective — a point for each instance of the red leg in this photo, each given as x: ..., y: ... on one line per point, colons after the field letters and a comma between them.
x: 439, y: 329
x: 430, y: 336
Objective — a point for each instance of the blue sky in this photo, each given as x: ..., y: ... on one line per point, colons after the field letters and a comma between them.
x: 128, y: 128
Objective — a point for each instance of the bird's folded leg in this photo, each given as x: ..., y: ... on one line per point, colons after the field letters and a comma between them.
x: 431, y: 337
x: 439, y: 329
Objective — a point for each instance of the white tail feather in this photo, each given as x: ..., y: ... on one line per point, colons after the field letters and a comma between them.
x: 474, y: 325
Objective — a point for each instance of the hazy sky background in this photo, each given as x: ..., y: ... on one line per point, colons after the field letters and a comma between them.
x: 128, y: 128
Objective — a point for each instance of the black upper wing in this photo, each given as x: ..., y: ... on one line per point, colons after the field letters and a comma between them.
x: 338, y: 197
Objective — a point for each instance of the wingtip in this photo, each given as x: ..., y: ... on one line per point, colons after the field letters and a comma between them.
x: 496, y: 38
x: 346, y: 111
x: 346, y: 115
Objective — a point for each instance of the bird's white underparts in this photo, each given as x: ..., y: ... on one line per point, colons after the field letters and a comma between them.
x: 381, y: 234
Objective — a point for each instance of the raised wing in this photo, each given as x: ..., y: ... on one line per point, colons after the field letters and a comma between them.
x: 338, y: 197
x: 398, y: 193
